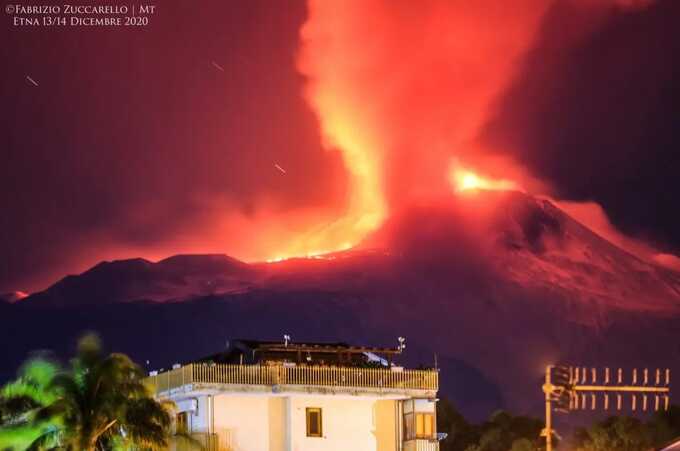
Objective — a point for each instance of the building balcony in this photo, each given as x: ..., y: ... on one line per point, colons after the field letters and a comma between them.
x: 202, y: 376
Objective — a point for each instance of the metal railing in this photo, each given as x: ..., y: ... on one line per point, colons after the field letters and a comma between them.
x: 421, y: 445
x: 329, y: 376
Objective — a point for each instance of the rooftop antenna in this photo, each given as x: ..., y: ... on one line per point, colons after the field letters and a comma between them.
x: 286, y: 339
x: 567, y: 388
x: 402, y: 344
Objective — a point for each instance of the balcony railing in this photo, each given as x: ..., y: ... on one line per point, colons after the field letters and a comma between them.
x: 328, y: 376
x: 421, y: 445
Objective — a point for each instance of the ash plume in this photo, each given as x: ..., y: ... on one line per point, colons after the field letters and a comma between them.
x: 404, y: 92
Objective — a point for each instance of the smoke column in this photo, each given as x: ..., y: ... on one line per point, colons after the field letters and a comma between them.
x: 403, y: 88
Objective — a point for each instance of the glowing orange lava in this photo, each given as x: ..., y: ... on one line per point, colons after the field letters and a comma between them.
x: 318, y: 255
x: 463, y: 179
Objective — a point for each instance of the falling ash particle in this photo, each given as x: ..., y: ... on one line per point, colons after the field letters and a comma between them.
x: 31, y: 80
x: 218, y: 66
x: 279, y: 168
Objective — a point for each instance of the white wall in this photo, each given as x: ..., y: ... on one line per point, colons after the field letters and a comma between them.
x: 242, y: 422
x: 276, y: 423
x: 198, y: 420
x: 348, y: 424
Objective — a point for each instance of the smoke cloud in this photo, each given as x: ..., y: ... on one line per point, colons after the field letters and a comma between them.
x: 405, y: 91
x: 401, y: 87
x: 141, y: 146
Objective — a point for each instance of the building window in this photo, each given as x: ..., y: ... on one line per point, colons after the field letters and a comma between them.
x: 182, y: 426
x: 418, y: 425
x: 409, y: 432
x: 314, y: 422
x: 424, y: 425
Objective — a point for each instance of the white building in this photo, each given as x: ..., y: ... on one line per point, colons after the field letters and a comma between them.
x: 265, y: 396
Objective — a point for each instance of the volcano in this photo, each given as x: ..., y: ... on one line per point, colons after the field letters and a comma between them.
x: 13, y: 296
x: 489, y: 286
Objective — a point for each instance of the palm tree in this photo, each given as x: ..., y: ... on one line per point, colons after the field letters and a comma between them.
x: 19, y: 401
x: 100, y: 402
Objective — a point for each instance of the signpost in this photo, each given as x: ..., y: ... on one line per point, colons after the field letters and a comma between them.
x: 569, y: 388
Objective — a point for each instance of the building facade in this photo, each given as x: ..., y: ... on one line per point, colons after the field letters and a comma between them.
x: 301, y: 397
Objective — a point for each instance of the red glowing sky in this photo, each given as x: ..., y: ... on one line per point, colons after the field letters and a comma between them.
x: 266, y: 132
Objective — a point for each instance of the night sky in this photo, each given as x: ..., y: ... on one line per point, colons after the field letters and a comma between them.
x: 601, y: 119
x: 164, y: 140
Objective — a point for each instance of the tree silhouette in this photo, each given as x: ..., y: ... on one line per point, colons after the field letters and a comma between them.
x: 99, y: 402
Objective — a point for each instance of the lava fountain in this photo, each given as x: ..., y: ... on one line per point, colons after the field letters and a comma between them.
x: 402, y: 90
x: 463, y: 179
x: 396, y: 86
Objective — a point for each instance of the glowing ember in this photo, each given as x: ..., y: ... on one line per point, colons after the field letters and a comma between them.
x: 317, y: 255
x: 466, y: 180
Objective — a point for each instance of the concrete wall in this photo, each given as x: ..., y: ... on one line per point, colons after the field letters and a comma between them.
x: 348, y: 424
x: 197, y: 409
x: 278, y: 423
x: 386, y: 423
x: 242, y: 422
x: 198, y: 420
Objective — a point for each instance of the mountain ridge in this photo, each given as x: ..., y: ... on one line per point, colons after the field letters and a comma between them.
x: 496, y: 284
x: 553, y: 249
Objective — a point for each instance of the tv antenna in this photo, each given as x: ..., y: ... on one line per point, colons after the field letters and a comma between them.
x: 571, y: 388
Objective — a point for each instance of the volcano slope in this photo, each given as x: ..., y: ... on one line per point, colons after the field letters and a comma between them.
x: 491, y: 286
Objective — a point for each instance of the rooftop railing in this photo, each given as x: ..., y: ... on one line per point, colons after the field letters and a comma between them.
x: 327, y: 376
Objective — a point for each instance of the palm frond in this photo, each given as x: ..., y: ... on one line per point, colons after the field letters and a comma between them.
x: 100, y: 401
x: 31, y: 388
x: 20, y: 436
x: 48, y: 440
